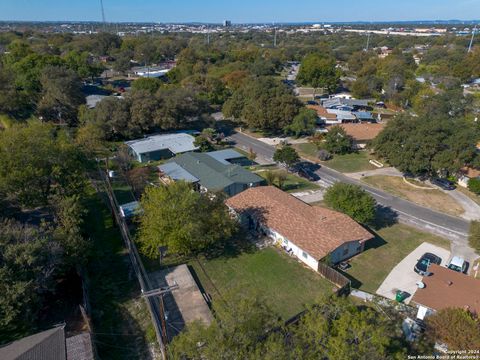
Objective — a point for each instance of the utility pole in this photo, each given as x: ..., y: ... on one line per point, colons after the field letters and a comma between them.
x: 274, y: 36
x: 103, y: 16
x: 368, y: 41
x: 471, y: 39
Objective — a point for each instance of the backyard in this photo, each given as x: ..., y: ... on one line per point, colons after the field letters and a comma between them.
x: 381, y: 254
x: 431, y: 198
x: 269, y: 273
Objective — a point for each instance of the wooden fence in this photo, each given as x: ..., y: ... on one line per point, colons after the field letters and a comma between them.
x: 335, y: 277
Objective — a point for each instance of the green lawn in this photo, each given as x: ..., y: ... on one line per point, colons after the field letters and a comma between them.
x: 391, y: 245
x: 293, y: 183
x: 285, y: 283
x: 121, y: 321
x: 349, y: 163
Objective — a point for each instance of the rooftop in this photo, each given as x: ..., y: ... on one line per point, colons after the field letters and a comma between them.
x: 210, y: 172
x: 363, y: 132
x: 447, y: 288
x: 225, y: 155
x: 316, y: 230
x: 322, y: 112
x: 176, y: 143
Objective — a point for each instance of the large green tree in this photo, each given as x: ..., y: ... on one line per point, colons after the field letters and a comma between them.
x: 37, y: 161
x: 303, y: 123
x: 287, y: 155
x: 319, y: 71
x: 337, y: 141
x: 428, y: 145
x: 186, y: 221
x: 351, y: 200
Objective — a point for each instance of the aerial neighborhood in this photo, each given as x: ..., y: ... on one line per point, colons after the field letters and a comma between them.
x: 254, y: 191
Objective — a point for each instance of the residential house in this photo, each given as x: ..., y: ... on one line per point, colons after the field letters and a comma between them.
x: 211, y: 172
x: 466, y: 174
x: 157, y: 147
x: 446, y: 288
x: 308, y: 232
x: 336, y: 102
x: 362, y: 133
x: 49, y: 345
x: 324, y: 117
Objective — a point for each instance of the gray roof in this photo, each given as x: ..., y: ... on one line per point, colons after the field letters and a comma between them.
x: 342, y: 114
x: 130, y: 209
x: 79, y: 347
x: 224, y: 155
x: 176, y: 143
x: 176, y: 172
x: 364, y: 115
x: 93, y: 100
x: 212, y: 174
x: 49, y: 344
x: 341, y: 101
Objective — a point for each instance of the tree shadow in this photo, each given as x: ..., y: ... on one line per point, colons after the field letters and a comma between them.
x: 385, y: 217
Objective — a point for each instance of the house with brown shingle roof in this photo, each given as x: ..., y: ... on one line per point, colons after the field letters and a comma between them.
x: 446, y: 288
x: 308, y: 232
x: 362, y: 133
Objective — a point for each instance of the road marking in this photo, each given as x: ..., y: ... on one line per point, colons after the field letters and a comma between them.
x: 374, y: 193
x: 430, y: 223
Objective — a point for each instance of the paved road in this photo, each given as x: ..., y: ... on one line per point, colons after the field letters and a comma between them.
x: 451, y: 227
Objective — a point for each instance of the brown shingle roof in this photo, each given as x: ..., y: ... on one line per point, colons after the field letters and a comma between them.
x: 322, y: 112
x: 316, y: 230
x: 363, y: 132
x: 449, y: 289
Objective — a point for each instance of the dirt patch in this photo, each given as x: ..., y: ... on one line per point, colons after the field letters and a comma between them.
x: 434, y: 199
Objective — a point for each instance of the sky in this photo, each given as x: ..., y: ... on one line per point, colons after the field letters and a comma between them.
x: 243, y: 11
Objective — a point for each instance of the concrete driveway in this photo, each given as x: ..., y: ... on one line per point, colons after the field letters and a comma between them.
x: 402, y: 277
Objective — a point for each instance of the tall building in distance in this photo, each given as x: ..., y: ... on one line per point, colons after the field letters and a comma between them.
x: 227, y: 23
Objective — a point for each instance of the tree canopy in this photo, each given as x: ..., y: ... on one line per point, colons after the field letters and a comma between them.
x: 319, y: 71
x: 287, y: 155
x: 303, y: 123
x: 186, y: 222
x: 428, y: 145
x: 351, y: 200
x: 337, y: 141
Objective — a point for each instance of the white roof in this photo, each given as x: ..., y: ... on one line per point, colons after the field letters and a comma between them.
x: 176, y: 143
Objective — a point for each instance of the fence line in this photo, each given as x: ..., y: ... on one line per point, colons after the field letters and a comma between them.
x: 335, y: 277
x: 155, y: 307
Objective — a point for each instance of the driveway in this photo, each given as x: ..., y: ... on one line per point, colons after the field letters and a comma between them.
x: 402, y: 277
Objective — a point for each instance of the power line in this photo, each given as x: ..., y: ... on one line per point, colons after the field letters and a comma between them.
x: 103, y: 15
x: 471, y: 40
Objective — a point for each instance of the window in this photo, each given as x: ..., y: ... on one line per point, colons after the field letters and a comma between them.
x: 304, y: 254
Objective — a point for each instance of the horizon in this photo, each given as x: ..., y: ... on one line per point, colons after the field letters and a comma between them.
x: 247, y: 12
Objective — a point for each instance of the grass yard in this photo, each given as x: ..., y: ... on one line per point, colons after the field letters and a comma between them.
x: 293, y: 183
x: 271, y: 274
x: 121, y: 321
x: 434, y: 199
x: 350, y: 163
x: 391, y: 245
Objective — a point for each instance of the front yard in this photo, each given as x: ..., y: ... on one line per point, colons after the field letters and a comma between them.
x: 431, y: 198
x: 381, y: 254
x: 293, y: 183
x: 269, y: 273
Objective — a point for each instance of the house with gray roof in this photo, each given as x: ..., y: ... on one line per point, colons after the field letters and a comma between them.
x: 211, y: 172
x: 157, y: 147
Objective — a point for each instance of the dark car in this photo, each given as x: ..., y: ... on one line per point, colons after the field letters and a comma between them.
x: 311, y: 102
x: 424, y: 263
x: 308, y: 174
x: 443, y: 183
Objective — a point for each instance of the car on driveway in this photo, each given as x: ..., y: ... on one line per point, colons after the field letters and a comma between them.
x: 422, y: 265
x: 443, y: 183
x: 457, y: 264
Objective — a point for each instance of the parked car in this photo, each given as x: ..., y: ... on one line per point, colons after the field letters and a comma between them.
x: 457, y: 264
x: 422, y: 265
x: 311, y: 102
x: 443, y: 183
x: 308, y: 174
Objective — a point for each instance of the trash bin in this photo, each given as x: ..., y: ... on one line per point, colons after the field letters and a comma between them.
x: 400, y: 296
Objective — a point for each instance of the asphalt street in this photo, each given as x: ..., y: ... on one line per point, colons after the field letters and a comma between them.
x: 451, y: 227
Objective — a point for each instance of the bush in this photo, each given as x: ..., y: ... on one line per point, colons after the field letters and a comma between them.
x: 353, y: 201
x: 474, y: 185
x: 324, y: 155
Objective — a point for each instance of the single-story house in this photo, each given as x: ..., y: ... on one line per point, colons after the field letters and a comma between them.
x: 332, y: 103
x: 50, y: 344
x: 324, y: 117
x: 446, y: 288
x: 362, y: 133
x: 211, y: 172
x: 343, y: 116
x: 309, y: 232
x: 157, y: 147
x: 466, y: 174
x: 229, y: 156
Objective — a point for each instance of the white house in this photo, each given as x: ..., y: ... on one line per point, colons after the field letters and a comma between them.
x: 309, y: 232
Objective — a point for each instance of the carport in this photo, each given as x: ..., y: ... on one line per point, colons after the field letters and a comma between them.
x: 402, y: 277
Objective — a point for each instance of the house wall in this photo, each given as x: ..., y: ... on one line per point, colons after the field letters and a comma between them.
x: 346, y: 251
x: 155, y: 155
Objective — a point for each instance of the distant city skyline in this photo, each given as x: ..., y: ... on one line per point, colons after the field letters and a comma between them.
x: 246, y: 11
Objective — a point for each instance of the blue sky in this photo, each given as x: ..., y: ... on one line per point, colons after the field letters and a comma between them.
x: 240, y: 11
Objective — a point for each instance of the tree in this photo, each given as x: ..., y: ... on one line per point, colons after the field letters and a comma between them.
x: 252, y: 155
x: 281, y: 178
x: 187, y: 222
x: 474, y: 185
x: 270, y: 177
x: 148, y: 84
x: 286, y: 155
x: 203, y: 143
x: 61, y: 95
x: 139, y: 178
x: 304, y: 123
x: 337, y: 141
x: 474, y: 235
x: 428, y: 145
x: 37, y: 161
x: 263, y: 103
x: 319, y: 71
x: 352, y: 200
x: 457, y: 328
x: 324, y: 155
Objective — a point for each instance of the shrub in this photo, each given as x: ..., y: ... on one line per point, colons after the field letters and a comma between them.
x: 324, y: 155
x: 474, y: 185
